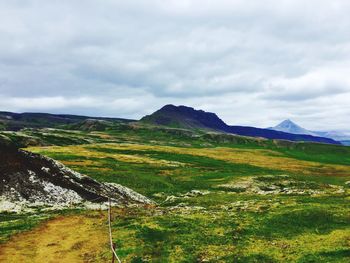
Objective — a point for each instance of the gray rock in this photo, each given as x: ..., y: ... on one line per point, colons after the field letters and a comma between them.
x: 32, y: 180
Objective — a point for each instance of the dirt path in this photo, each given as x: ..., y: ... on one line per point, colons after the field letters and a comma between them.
x: 77, y: 238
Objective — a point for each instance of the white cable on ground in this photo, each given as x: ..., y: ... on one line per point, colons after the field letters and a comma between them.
x: 110, y: 230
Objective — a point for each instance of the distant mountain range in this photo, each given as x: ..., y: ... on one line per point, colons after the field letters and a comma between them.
x: 189, y: 118
x: 291, y: 127
x: 168, y: 116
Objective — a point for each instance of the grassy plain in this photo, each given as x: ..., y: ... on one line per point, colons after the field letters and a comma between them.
x: 220, y: 198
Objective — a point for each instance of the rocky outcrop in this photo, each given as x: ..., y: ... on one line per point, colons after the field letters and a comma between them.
x: 33, y: 180
x: 280, y: 184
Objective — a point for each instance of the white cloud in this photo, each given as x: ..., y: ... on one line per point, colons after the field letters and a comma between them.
x: 252, y: 62
x: 317, y: 83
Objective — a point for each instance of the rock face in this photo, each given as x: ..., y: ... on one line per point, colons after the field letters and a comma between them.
x: 32, y: 180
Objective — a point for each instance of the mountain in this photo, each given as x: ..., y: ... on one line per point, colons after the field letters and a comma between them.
x: 346, y: 142
x: 291, y: 127
x: 335, y: 135
x: 31, y: 180
x: 190, y: 118
x: 270, y: 134
x: 185, y: 117
x: 16, y: 121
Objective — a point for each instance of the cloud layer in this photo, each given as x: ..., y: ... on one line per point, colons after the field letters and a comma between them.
x: 252, y: 62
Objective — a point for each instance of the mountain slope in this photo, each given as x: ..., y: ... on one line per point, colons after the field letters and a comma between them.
x: 32, y: 180
x: 335, y: 135
x: 16, y: 121
x: 189, y: 118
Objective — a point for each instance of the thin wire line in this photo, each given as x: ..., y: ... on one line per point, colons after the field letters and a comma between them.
x: 110, y: 230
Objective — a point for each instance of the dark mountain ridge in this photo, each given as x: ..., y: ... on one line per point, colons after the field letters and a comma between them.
x: 185, y: 117
x: 16, y: 121
x: 190, y: 118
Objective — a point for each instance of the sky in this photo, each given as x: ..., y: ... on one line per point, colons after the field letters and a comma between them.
x: 252, y: 62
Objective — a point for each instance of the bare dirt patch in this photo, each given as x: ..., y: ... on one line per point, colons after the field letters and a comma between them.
x: 77, y: 238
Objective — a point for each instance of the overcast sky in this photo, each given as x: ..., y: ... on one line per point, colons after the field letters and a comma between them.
x: 252, y: 62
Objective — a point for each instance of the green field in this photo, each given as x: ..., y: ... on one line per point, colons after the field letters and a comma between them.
x: 220, y: 199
